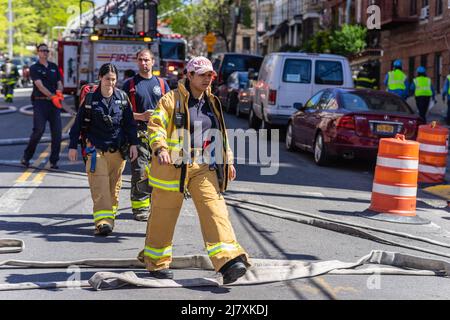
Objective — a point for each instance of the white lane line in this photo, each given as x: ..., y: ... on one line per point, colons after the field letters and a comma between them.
x: 13, y: 199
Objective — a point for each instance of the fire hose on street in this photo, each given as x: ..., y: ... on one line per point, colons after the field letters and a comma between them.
x: 263, y: 270
x: 8, y: 109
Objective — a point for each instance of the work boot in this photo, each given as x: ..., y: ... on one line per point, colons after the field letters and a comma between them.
x: 25, y: 162
x: 54, y: 166
x: 162, y: 274
x: 141, y: 215
x: 233, y: 270
x: 103, y: 229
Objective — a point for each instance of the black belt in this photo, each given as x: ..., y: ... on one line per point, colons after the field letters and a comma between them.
x: 110, y: 149
x: 41, y: 98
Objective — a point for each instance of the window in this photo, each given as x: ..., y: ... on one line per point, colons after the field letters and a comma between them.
x: 439, y: 7
x: 423, y: 60
x: 437, y: 72
x: 413, y: 7
x: 374, y: 103
x: 329, y: 72
x: 425, y: 3
x: 246, y: 43
x: 314, y: 101
x: 297, y: 71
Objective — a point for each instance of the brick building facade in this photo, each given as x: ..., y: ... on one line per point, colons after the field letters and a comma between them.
x: 416, y: 31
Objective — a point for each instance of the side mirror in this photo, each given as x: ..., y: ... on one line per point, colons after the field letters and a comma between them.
x: 298, y: 106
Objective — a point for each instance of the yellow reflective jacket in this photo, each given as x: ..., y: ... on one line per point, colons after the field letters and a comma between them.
x: 164, y: 134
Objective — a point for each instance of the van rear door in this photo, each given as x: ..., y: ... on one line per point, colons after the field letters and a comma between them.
x: 329, y: 73
x: 295, y: 84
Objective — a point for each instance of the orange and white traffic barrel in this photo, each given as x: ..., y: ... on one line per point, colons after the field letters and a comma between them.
x: 394, y: 187
x: 433, y: 148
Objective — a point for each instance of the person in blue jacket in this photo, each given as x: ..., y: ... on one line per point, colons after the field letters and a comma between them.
x: 396, y: 81
x: 106, y: 125
x: 446, y: 94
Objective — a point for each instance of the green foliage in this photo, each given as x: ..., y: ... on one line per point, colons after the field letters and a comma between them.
x: 202, y: 16
x: 350, y: 39
x: 32, y: 21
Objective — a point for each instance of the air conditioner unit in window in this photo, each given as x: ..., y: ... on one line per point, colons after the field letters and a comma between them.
x: 424, y: 13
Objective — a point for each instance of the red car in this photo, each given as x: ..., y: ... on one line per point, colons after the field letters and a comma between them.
x: 349, y: 123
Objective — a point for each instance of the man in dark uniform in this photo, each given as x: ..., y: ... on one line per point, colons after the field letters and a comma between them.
x: 46, y: 99
x: 144, y: 91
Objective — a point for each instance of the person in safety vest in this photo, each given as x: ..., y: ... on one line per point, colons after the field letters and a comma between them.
x: 191, y: 154
x: 144, y: 91
x: 396, y: 80
x: 446, y: 94
x: 365, y: 78
x: 9, y: 77
x: 46, y: 98
x: 423, y: 91
x: 106, y: 126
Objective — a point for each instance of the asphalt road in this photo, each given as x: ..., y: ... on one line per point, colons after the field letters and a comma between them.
x: 53, y: 217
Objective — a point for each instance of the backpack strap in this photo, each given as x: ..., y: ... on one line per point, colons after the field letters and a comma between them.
x: 161, y: 84
x: 87, y: 119
x: 132, y: 90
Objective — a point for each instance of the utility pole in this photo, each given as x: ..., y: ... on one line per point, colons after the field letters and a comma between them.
x: 256, y: 26
x: 10, y: 31
x: 236, y: 16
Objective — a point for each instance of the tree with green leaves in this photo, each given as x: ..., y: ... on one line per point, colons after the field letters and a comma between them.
x: 33, y: 21
x: 203, y: 16
x: 348, y: 40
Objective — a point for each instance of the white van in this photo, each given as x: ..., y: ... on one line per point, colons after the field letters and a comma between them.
x: 286, y: 78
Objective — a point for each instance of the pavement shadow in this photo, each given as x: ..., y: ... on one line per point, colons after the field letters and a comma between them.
x: 63, y: 232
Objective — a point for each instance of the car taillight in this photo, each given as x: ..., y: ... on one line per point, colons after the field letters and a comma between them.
x: 347, y: 122
x: 272, y: 96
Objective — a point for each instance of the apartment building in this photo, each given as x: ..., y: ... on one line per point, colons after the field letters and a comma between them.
x: 285, y: 24
x: 416, y: 31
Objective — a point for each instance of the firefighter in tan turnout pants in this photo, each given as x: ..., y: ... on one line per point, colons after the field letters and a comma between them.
x: 179, y: 166
x: 106, y: 127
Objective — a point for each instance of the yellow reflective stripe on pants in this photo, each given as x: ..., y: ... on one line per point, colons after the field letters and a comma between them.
x: 163, y: 184
x: 156, y: 254
x: 220, y: 247
x: 140, y: 204
x: 104, y: 214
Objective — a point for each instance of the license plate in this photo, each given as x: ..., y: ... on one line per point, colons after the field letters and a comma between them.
x: 384, y: 128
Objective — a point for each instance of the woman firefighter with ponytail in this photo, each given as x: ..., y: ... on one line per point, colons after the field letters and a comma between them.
x: 105, y: 123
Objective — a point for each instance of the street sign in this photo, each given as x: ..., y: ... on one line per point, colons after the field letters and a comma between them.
x: 210, y: 40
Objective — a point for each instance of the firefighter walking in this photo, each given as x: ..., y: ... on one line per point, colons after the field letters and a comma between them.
x: 423, y: 91
x: 179, y: 133
x: 365, y: 78
x: 106, y: 125
x: 9, y: 78
x: 144, y: 91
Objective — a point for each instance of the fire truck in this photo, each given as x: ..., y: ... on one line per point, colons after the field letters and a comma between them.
x: 172, y: 48
x: 102, y: 35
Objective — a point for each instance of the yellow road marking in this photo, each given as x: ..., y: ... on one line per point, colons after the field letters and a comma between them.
x: 40, y: 176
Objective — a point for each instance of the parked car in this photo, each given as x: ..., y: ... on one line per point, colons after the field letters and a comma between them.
x: 245, y: 99
x: 349, y: 123
x: 286, y: 78
x: 229, y: 91
x: 227, y: 63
